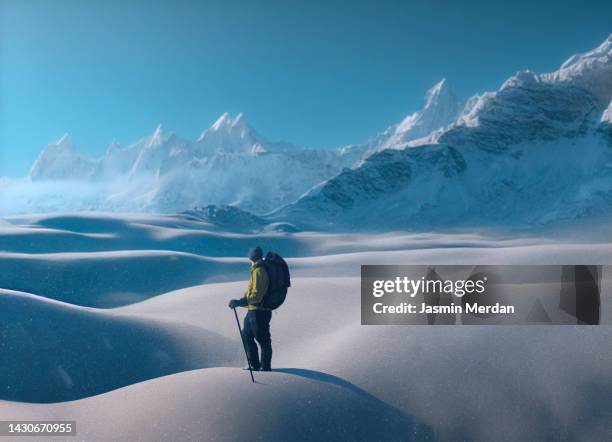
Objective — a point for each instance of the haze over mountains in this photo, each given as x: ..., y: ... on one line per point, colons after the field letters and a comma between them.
x: 230, y: 163
x: 538, y: 150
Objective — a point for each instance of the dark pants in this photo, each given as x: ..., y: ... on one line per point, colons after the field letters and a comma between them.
x: 257, y: 328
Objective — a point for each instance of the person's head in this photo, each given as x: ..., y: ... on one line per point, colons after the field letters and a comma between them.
x: 255, y: 254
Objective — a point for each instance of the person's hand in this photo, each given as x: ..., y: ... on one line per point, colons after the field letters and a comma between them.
x: 234, y: 303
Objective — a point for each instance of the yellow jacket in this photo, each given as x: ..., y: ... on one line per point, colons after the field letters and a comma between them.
x: 258, y: 286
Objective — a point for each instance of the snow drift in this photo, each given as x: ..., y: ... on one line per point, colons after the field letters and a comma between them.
x: 335, y: 379
x: 54, y: 351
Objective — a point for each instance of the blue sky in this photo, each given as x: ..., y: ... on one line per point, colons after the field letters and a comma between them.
x: 316, y: 73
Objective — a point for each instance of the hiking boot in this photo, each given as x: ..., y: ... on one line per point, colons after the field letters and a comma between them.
x: 266, y: 369
x: 250, y: 368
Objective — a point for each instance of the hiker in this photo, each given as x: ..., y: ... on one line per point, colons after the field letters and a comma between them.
x: 257, y: 321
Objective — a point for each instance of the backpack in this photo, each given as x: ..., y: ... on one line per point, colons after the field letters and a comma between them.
x: 280, y: 281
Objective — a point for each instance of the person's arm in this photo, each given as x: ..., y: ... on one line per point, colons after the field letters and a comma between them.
x: 242, y: 302
x: 258, y: 286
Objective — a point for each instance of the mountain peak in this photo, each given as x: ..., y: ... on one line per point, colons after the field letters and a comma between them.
x: 64, y: 144
x: 605, y: 46
x: 440, y: 96
x: 157, y: 138
x: 60, y: 160
x: 64, y: 141
x: 591, y: 70
x: 113, y: 146
x: 521, y: 78
x: 437, y: 90
x: 602, y: 54
x: 223, y: 121
x: 441, y: 108
x: 226, y: 121
x: 225, y: 124
x: 239, y: 120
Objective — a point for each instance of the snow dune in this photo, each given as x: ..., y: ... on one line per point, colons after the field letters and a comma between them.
x: 110, y: 260
x: 156, y: 358
x: 468, y: 383
x: 109, y: 279
x: 53, y: 351
x: 217, y: 404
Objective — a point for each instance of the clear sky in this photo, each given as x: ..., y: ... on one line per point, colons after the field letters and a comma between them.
x: 316, y: 73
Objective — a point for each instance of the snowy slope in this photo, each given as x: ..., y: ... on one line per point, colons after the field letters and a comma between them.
x: 606, y: 117
x: 146, y: 349
x: 440, y: 109
x: 334, y: 379
x: 605, y: 126
x: 534, y: 152
x: 60, y: 161
x: 221, y: 404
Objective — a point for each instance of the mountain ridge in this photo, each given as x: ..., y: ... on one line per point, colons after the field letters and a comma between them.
x: 536, y: 151
x: 228, y: 164
x: 515, y: 139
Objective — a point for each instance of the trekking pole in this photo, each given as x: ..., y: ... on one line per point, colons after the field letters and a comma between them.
x: 244, y: 345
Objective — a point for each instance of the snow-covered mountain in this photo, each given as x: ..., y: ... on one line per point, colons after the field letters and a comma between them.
x: 606, y: 122
x: 60, y: 161
x: 440, y: 109
x: 229, y: 164
x: 537, y: 150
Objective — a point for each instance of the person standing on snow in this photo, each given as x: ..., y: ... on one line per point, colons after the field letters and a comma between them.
x: 257, y: 321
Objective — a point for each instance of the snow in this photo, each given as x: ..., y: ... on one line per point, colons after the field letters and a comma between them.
x: 532, y: 117
x: 157, y: 137
x: 485, y: 152
x: 223, y: 120
x: 127, y: 316
x: 535, y: 152
x: 524, y: 78
x: 606, y: 117
x: 64, y: 141
x: 106, y: 338
x: 164, y: 366
x: 439, y: 185
x: 441, y: 108
x: 591, y: 70
x: 600, y: 54
x: 60, y: 161
x: 229, y: 164
x: 209, y: 404
x: 113, y: 147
